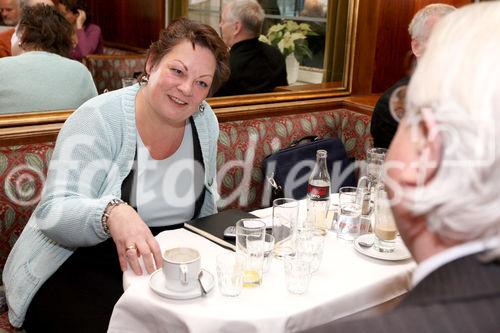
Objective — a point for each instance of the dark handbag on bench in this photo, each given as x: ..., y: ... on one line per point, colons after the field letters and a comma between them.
x: 287, y: 171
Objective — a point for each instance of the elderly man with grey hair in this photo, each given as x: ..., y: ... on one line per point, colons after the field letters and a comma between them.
x: 383, y: 125
x: 6, y: 35
x: 442, y: 174
x: 255, y: 66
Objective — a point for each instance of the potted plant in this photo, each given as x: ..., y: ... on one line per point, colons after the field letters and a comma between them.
x: 291, y: 39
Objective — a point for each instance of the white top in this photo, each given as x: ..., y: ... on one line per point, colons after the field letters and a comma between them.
x: 431, y: 264
x: 166, y: 187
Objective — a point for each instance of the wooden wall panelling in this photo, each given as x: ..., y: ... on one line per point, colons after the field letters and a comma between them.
x: 383, y: 43
x: 132, y: 22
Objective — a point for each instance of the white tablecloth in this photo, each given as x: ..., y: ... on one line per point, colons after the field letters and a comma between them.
x: 346, y: 283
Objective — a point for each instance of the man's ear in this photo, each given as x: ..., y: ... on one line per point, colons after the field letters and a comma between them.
x: 430, y: 151
x: 238, y: 27
x: 417, y: 48
x: 149, y: 64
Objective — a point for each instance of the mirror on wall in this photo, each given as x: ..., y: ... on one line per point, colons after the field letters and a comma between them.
x: 326, y: 74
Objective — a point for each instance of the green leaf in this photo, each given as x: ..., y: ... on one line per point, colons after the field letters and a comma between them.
x: 350, y: 144
x: 253, y: 134
x: 330, y: 122
x: 262, y: 130
x: 221, y: 158
x: 4, y: 162
x: 10, y: 217
x: 228, y: 181
x: 289, y: 126
x: 234, y: 134
x: 314, y: 122
x: 239, y: 154
x: 252, y: 194
x: 281, y: 130
x: 360, y: 128
x: 344, y: 122
x: 267, y: 149
x: 238, y: 176
x: 257, y: 175
x: 224, y: 139
x: 306, y: 125
x: 34, y: 161
x: 28, y: 190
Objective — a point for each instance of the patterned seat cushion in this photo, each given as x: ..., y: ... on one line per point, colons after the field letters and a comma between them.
x: 108, y: 69
x: 244, y: 144
x: 22, y: 175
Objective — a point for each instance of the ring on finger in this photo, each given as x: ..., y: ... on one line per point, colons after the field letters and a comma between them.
x: 132, y: 247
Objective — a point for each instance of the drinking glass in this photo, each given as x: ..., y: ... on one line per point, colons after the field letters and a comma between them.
x: 348, y: 225
x: 250, y: 235
x: 310, y: 244
x: 128, y: 81
x: 385, y: 226
x: 285, y: 217
x: 230, y: 273
x: 297, y: 273
x: 268, y: 249
x: 364, y: 196
x: 375, y: 158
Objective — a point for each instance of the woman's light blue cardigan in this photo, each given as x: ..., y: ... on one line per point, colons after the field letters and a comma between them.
x: 94, y: 153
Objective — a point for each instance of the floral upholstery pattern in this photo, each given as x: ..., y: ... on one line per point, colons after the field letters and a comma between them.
x: 244, y: 144
x: 22, y: 175
x: 108, y: 70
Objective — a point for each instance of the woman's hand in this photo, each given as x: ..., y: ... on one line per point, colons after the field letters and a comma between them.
x: 80, y: 20
x: 133, y: 239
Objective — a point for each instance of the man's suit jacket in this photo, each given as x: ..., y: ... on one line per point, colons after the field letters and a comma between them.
x: 461, y: 296
x: 255, y: 68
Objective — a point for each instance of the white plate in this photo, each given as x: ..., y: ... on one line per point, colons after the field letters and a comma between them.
x: 158, y: 285
x: 400, y: 252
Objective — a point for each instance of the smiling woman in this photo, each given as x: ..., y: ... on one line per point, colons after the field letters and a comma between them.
x: 142, y: 159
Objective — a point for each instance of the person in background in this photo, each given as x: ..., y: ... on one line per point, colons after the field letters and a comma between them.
x: 383, y: 125
x: 39, y: 76
x: 443, y: 168
x: 88, y: 35
x: 10, y: 11
x: 255, y: 66
x: 153, y: 145
x: 6, y: 35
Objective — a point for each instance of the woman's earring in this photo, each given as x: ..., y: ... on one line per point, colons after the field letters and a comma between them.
x: 144, y: 79
x: 201, y: 108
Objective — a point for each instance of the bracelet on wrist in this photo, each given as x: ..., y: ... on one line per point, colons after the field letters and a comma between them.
x: 107, y: 211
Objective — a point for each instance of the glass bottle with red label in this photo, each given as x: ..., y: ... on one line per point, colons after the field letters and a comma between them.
x: 318, y: 194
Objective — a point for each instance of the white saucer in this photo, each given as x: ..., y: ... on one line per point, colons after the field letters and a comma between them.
x: 400, y: 252
x: 158, y: 285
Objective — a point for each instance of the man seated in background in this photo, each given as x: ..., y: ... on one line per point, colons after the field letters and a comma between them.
x: 255, y: 66
x: 383, y: 125
x: 12, y: 10
x: 443, y: 168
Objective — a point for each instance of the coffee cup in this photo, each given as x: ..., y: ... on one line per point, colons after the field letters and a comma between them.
x: 181, y: 266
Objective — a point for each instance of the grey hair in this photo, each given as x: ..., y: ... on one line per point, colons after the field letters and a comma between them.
x: 29, y: 3
x: 249, y: 13
x: 419, y: 28
x: 458, y: 80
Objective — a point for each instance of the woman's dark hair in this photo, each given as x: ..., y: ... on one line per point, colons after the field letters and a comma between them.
x: 198, y: 34
x: 42, y: 27
x: 74, y: 5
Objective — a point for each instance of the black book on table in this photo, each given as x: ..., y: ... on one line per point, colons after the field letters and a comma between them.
x: 212, y: 226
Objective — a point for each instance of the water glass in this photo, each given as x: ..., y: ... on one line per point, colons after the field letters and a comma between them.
x: 348, y: 225
x: 128, y: 81
x: 285, y: 217
x: 297, y: 273
x: 250, y: 235
x: 230, y: 273
x: 375, y: 158
x: 385, y: 226
x: 268, y: 250
x: 310, y: 244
